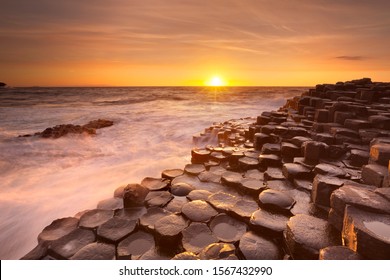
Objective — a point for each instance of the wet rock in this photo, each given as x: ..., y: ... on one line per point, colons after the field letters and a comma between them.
x: 276, y: 200
x: 380, y: 153
x: 181, y: 189
x: 198, y: 195
x: 313, y: 151
x: 198, y: 211
x: 95, y: 218
x: 246, y: 163
x: 231, y: 179
x: 255, y: 247
x: 226, y: 228
x: 269, y: 160
x: 155, y: 184
x: 170, y: 174
x: 135, y: 245
x: 200, y: 155
x: 97, y: 124
x: 194, y: 169
x: 260, y: 139
x: 110, y: 204
x: 134, y: 195
x: 222, y: 201
x: 289, y: 150
x: 196, y: 237
x: 264, y: 220
x: 158, y: 198
x: 95, y: 251
x: 244, y: 208
x: 218, y: 251
x: 367, y: 233
x: 68, y: 245
x: 186, y: 256
x: 207, y: 176
x: 374, y: 174
x: 252, y: 186
x: 306, y: 235
x: 133, y: 213
x: 169, y: 230
x: 115, y: 229
x: 323, y: 186
x: 293, y: 171
x: 338, y: 253
x: 330, y: 170
x: 360, y: 197
x: 57, y: 229
x: 152, y: 216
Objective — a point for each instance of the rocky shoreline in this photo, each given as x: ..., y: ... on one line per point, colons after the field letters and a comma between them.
x: 308, y: 181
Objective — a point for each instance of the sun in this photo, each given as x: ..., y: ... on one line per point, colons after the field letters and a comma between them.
x: 216, y: 81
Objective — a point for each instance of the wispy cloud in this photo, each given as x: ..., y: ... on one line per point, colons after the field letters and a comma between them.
x: 351, y: 57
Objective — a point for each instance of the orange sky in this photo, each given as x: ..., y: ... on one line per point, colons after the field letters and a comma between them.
x: 186, y: 42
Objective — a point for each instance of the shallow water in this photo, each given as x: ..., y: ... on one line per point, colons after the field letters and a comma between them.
x: 45, y: 179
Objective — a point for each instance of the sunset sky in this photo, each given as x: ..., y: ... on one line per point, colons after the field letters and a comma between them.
x: 187, y: 42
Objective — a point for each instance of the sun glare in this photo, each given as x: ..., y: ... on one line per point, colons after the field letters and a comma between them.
x: 216, y: 81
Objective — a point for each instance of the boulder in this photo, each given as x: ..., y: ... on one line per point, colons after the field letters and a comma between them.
x: 134, y: 195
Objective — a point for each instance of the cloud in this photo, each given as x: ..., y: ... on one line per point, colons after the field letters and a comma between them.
x: 350, y: 57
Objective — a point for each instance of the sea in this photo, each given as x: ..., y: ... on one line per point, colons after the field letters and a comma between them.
x: 45, y: 179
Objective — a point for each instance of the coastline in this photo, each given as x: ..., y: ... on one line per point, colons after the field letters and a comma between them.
x: 251, y: 196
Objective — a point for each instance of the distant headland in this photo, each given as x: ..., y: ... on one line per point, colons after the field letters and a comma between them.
x: 3, y: 84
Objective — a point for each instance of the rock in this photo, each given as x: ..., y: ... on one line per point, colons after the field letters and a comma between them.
x: 276, y: 200
x: 218, y: 251
x: 155, y: 254
x: 169, y: 230
x: 226, y: 228
x: 111, y: 204
x: 374, y: 174
x: 252, y: 186
x: 185, y: 256
x: 97, y: 124
x: 244, y: 208
x: 135, y: 245
x: 38, y: 253
x: 289, y: 150
x: 94, y: 218
x: 207, y: 176
x: 152, y: 216
x: 200, y: 155
x: 359, y: 157
x: 231, y: 179
x: 133, y: 213
x: 134, y: 195
x: 158, y: 198
x: 170, y: 174
x: 293, y: 171
x: 299, y: 140
x: 269, y: 160
x: 181, y: 189
x: 321, y: 115
x: 380, y: 153
x: 306, y: 235
x: 3, y: 84
x: 380, y: 122
x: 222, y: 201
x: 57, y: 229
x: 194, y: 169
x: 198, y: 195
x: 255, y: 247
x: 155, y: 184
x: 329, y: 170
x: 175, y: 205
x: 264, y: 220
x: 247, y: 163
x: 367, y: 233
x: 270, y: 148
x: 115, y: 229
x: 313, y: 151
x: 118, y: 193
x: 273, y: 173
x: 66, y: 246
x: 260, y: 139
x: 279, y: 185
x: 198, y: 211
x: 95, y: 251
x: 323, y: 186
x: 254, y: 174
x: 362, y: 198
x: 303, y: 184
x: 197, y: 236
x: 338, y: 253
